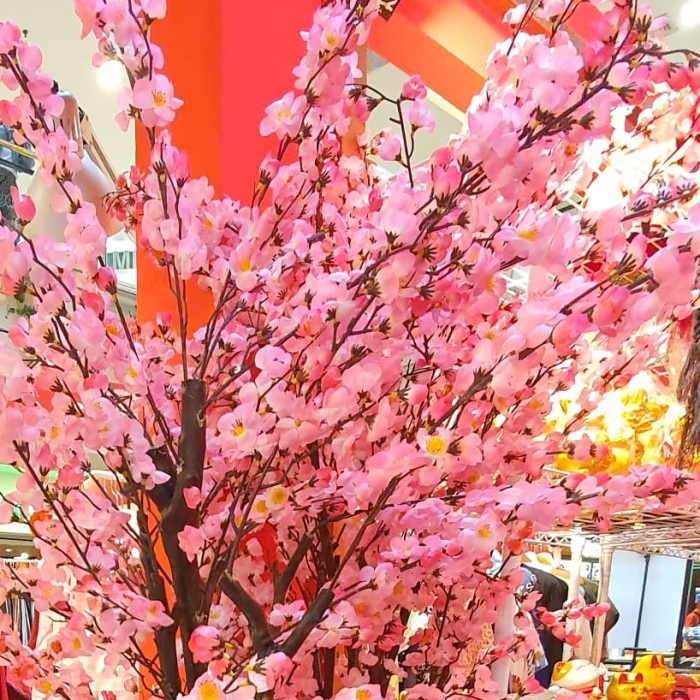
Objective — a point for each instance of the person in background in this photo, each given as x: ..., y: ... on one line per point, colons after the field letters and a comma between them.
x: 692, y: 619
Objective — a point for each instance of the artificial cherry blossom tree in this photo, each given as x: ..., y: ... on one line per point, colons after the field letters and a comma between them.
x: 323, y: 492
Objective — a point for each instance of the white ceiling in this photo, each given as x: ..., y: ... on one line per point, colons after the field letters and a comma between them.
x: 680, y: 34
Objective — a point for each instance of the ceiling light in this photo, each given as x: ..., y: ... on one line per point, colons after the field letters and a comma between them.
x: 111, y: 76
x: 690, y: 14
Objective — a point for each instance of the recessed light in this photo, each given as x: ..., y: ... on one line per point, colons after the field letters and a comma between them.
x: 8, y: 549
x: 689, y: 16
x: 111, y: 76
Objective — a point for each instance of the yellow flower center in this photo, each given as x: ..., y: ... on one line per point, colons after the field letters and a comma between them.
x: 490, y: 284
x: 159, y: 98
x: 245, y: 265
x: 76, y: 644
x: 434, y: 445
x: 55, y: 432
x: 529, y: 234
x: 277, y: 495
x: 260, y: 507
x: 44, y: 686
x: 132, y: 373
x: 284, y: 114
x: 362, y: 695
x: 208, y: 691
x: 238, y: 430
x: 484, y: 531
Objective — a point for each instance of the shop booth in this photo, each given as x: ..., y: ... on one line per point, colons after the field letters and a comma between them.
x: 647, y: 567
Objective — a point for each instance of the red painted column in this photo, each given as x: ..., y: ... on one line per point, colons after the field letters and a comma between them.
x: 261, y: 46
x: 447, y: 42
x: 228, y: 60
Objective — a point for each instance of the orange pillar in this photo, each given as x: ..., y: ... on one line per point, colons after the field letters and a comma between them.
x: 228, y: 60
x: 447, y: 42
x: 191, y: 41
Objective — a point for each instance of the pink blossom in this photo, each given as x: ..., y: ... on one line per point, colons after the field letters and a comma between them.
x: 192, y: 496
x: 23, y: 205
x: 150, y: 611
x: 610, y: 306
x: 284, y: 116
x: 414, y: 88
x: 106, y: 280
x: 10, y: 36
x: 420, y: 115
x: 674, y: 272
x: 590, y: 612
x: 435, y: 444
x: 273, y: 361
x: 191, y: 541
x: 388, y: 146
x: 155, y: 9
x: 203, y: 643
x: 362, y: 692
x: 155, y: 99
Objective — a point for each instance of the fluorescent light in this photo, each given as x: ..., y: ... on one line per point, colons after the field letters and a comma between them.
x: 690, y: 14
x: 111, y: 76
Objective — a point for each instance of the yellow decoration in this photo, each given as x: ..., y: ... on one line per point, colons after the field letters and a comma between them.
x: 658, y: 678
x: 638, y: 424
x: 627, y: 686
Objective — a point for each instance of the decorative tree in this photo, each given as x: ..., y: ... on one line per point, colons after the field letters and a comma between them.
x: 323, y: 492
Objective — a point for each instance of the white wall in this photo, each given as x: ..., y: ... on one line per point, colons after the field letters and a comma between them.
x: 662, y: 604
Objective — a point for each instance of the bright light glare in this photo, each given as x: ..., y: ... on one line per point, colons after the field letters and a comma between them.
x: 690, y: 14
x: 111, y: 76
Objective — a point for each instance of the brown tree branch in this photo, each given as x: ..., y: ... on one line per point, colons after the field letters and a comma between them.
x: 260, y: 633
x: 176, y: 515
x: 283, y: 582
